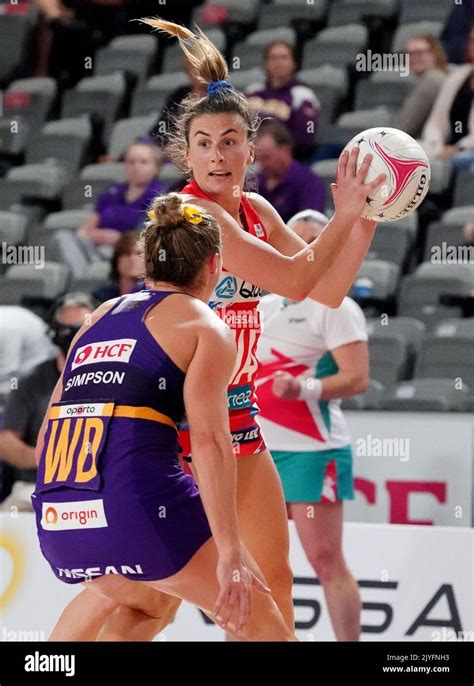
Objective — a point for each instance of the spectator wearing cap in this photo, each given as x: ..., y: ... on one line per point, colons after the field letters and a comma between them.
x: 26, y: 406
x: 285, y: 98
x: 127, y: 268
x: 123, y: 206
x: 287, y: 184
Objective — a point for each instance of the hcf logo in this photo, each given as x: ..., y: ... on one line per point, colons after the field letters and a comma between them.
x: 118, y: 350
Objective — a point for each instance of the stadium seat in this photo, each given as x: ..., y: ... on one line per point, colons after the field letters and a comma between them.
x: 42, y: 181
x: 356, y: 11
x: 384, y: 276
x: 12, y: 228
x: 459, y: 215
x: 95, y: 275
x: 382, y: 89
x: 126, y: 131
x: 134, y: 54
x: 449, y: 234
x: 388, y: 358
x: 236, y: 11
x: 412, y: 330
x: 247, y: 78
x: 69, y: 220
x: 170, y: 174
x: 390, y: 243
x: 426, y: 395
x: 63, y: 246
x: 436, y: 10
x: 464, y: 187
x: 326, y: 170
x: 441, y: 172
x: 351, y: 124
x: 447, y: 356
x: 370, y: 400
x: 83, y: 191
x: 64, y: 141
x: 14, y: 135
x: 50, y: 281
x: 455, y: 327
x: 285, y: 12
x: 15, y: 31
x: 152, y: 96
x: 100, y: 96
x: 31, y: 99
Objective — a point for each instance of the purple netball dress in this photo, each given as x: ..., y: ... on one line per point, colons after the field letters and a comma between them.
x: 111, y: 497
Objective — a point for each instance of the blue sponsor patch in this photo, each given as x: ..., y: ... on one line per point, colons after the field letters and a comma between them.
x: 227, y: 287
x: 240, y: 397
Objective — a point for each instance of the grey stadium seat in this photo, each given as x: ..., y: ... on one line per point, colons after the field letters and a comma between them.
x: 63, y: 247
x: 125, y: 132
x: 15, y: 30
x: 245, y: 79
x: 283, y: 12
x: 388, y: 358
x: 384, y: 276
x: 390, y: 243
x: 12, y: 228
x: 134, y: 54
x: 464, y: 187
x: 370, y: 400
x: 96, y: 274
x: 419, y: 28
x: 69, y: 220
x: 455, y: 327
x: 382, y: 92
x: 13, y: 140
x: 152, y: 96
x: 412, y: 330
x: 83, y: 191
x: 40, y: 91
x: 65, y: 141
x: 448, y: 356
x: 249, y: 54
x: 436, y: 10
x: 326, y: 170
x: 426, y: 395
x: 459, y: 215
x: 350, y: 124
x: 354, y: 11
x: 98, y: 95
x: 441, y: 172
x: 450, y: 234
x: 44, y: 181
x: 242, y: 11
x: 49, y: 282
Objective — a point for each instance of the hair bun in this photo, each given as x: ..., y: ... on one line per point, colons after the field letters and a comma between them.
x: 166, y: 211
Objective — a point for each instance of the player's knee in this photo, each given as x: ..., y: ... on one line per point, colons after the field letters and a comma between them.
x: 162, y: 606
x: 280, y: 579
x: 327, y: 561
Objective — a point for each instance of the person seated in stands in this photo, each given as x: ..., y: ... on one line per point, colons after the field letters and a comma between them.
x: 26, y: 405
x: 449, y: 131
x: 429, y: 65
x: 287, y: 184
x: 127, y: 268
x: 23, y: 344
x: 455, y: 35
x: 284, y: 97
x: 123, y: 205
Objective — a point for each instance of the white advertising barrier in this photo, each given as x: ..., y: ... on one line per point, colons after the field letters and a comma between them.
x: 413, y: 468
x: 416, y: 585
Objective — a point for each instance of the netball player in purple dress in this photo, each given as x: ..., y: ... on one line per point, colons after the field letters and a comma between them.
x: 112, y: 504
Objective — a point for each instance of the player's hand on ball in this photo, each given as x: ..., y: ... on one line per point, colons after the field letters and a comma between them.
x: 350, y: 190
x: 285, y: 386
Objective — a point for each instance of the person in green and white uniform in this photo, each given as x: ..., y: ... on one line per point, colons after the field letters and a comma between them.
x: 313, y: 356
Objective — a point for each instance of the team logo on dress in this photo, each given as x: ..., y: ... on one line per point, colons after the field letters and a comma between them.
x: 227, y: 287
x: 118, y: 350
x: 259, y: 232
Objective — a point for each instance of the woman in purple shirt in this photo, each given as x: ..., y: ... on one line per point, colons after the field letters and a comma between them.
x: 122, y: 207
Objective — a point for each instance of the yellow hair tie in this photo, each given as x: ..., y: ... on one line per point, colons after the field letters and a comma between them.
x: 192, y: 214
x: 151, y: 214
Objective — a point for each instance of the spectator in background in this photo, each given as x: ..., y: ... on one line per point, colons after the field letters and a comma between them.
x: 26, y: 406
x: 122, y: 207
x: 287, y: 184
x: 428, y: 63
x: 23, y: 344
x: 449, y: 131
x: 127, y: 268
x: 287, y: 99
x: 456, y: 33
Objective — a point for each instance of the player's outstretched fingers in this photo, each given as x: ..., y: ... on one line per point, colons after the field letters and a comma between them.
x: 351, y: 169
x: 341, y: 166
x: 364, y: 167
x: 376, y: 182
